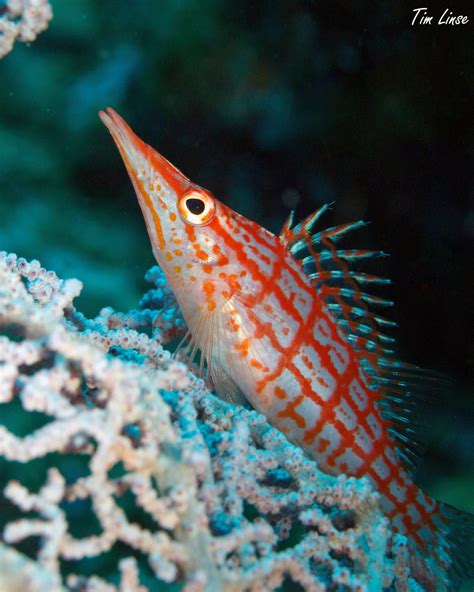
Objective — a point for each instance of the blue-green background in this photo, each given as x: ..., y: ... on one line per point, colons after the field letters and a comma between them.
x: 270, y: 105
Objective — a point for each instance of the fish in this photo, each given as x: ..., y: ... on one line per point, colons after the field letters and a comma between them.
x: 285, y: 323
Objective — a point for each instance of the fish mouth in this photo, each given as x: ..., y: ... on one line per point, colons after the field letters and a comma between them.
x: 147, y: 170
x: 134, y: 155
x: 129, y: 144
x: 139, y: 157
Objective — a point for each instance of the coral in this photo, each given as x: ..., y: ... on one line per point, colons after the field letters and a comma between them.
x: 23, y: 20
x: 183, y: 488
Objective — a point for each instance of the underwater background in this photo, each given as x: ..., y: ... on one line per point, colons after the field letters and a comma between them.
x: 271, y: 106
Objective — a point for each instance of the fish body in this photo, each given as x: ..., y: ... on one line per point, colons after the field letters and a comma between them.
x: 282, y: 320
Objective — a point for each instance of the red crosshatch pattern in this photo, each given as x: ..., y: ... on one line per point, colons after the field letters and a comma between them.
x: 294, y: 333
x: 315, y: 389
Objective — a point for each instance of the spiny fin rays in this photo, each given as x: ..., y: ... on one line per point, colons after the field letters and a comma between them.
x: 339, y: 286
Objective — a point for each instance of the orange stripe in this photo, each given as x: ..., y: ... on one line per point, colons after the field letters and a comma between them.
x: 250, y: 265
x: 271, y: 287
x: 267, y: 281
x: 290, y: 412
x: 287, y: 354
x: 142, y: 193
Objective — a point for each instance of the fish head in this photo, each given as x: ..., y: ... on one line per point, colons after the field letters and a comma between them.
x: 191, y: 232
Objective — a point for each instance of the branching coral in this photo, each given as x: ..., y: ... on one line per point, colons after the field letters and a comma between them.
x: 23, y: 20
x: 185, y: 488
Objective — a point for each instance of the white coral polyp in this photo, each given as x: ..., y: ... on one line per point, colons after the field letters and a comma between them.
x: 220, y: 486
x: 23, y: 20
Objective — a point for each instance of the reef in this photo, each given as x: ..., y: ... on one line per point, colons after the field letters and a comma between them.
x: 22, y: 20
x: 121, y: 471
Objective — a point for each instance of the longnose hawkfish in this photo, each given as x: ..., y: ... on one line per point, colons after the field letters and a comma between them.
x: 284, y: 322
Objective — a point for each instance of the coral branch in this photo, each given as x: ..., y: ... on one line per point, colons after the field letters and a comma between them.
x: 200, y: 492
x: 23, y: 20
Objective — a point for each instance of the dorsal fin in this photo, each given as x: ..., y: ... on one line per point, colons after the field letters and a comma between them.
x: 340, y: 287
x: 337, y: 284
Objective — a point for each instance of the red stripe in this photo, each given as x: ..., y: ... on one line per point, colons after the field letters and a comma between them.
x: 238, y: 249
x: 289, y: 352
x: 290, y: 411
x: 287, y: 355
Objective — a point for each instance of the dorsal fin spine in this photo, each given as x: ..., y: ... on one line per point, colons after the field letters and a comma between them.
x: 337, y: 232
x: 395, y: 385
x: 288, y: 223
x: 361, y: 312
x: 311, y: 220
x: 365, y: 278
x: 348, y: 255
x: 334, y: 233
x: 368, y: 298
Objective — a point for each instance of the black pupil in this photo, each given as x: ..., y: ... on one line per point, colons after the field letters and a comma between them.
x: 195, y: 206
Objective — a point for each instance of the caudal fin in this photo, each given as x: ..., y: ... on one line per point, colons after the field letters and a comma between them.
x: 442, y: 549
x: 460, y: 537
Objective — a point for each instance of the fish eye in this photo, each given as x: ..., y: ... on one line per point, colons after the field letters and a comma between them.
x: 196, y: 207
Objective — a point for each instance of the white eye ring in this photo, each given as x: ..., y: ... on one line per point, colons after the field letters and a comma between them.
x: 197, y: 207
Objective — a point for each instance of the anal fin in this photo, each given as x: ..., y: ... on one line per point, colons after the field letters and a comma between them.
x: 226, y: 387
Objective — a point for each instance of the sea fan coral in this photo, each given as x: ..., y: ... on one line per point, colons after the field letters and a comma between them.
x: 131, y: 475
x: 22, y: 20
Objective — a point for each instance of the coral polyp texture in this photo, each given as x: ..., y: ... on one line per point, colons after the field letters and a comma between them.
x: 120, y: 470
x: 22, y: 20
